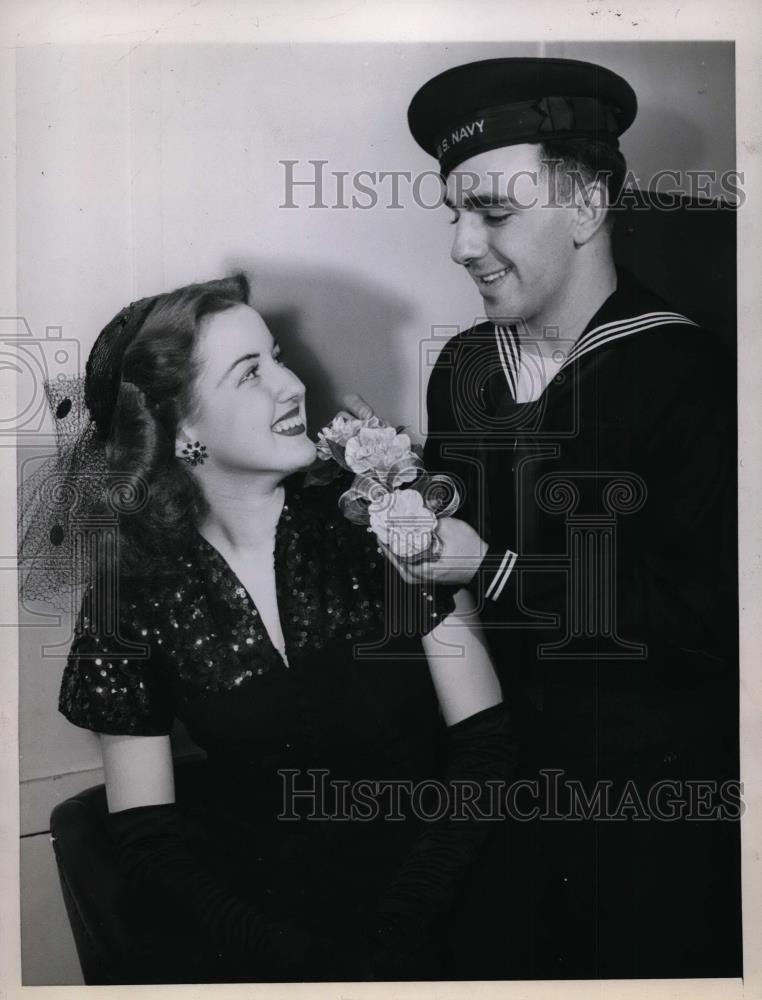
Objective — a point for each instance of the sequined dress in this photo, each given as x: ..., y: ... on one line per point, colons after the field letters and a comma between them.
x: 354, y: 704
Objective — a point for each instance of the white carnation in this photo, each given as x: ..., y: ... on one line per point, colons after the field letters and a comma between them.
x: 403, y: 522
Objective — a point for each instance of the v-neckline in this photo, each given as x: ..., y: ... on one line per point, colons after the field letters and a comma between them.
x: 241, y: 591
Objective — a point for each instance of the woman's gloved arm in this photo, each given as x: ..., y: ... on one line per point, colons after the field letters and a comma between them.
x: 408, y: 914
x: 157, y: 861
x: 163, y: 869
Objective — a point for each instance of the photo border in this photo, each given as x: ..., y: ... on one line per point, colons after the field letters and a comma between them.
x: 207, y: 22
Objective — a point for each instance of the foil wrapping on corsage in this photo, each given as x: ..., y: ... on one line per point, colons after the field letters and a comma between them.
x: 391, y: 493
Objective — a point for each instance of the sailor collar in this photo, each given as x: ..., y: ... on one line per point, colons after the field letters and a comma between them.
x: 629, y: 310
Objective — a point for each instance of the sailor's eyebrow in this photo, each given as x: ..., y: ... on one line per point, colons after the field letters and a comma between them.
x: 483, y: 201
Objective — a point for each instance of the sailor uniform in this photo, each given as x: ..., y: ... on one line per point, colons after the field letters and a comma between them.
x: 602, y: 474
x: 609, y: 597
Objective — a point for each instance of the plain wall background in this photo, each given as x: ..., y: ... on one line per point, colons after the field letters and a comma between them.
x: 142, y: 169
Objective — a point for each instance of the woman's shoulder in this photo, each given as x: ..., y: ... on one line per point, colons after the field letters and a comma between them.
x: 112, y: 681
x: 133, y: 592
x: 323, y: 526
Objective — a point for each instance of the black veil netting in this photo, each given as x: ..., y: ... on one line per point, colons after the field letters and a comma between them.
x: 69, y: 501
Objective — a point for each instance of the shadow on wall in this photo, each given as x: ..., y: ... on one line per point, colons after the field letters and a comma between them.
x: 338, y: 333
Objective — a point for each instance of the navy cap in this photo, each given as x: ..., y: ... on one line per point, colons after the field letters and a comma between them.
x: 501, y: 102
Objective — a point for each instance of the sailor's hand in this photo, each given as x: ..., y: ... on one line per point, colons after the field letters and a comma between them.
x: 355, y: 407
x: 460, y: 554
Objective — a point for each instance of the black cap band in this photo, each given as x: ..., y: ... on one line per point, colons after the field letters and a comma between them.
x: 526, y: 121
x: 484, y: 105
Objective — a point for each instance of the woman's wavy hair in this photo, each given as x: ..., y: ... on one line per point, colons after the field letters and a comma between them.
x: 153, y: 394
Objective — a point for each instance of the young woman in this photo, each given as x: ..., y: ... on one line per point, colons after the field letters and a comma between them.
x: 250, y: 609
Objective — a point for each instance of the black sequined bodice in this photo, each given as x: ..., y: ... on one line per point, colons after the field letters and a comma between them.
x: 190, y: 644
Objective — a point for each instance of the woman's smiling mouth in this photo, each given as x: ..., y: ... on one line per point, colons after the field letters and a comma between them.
x: 290, y: 424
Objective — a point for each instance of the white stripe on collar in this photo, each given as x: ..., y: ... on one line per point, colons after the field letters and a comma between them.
x: 509, y: 352
x: 607, y: 332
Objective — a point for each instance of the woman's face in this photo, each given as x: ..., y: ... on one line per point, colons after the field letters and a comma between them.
x: 249, y: 408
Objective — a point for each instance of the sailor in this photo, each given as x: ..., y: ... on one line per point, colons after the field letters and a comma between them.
x: 592, y: 429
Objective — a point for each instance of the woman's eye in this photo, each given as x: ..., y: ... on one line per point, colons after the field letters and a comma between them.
x: 250, y: 373
x: 279, y: 359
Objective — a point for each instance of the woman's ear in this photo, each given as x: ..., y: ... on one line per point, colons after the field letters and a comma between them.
x: 592, y: 209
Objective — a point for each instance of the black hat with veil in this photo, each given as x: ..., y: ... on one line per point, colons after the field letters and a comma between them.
x: 70, y: 506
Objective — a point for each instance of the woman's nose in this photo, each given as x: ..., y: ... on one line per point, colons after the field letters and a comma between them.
x: 468, y: 243
x: 290, y: 387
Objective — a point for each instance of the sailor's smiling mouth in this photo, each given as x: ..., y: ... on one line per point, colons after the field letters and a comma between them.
x: 491, y: 277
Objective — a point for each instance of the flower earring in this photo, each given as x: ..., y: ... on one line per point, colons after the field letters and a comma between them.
x: 194, y: 453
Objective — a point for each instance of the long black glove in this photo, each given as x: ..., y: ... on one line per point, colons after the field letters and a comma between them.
x: 159, y: 863
x: 404, y: 925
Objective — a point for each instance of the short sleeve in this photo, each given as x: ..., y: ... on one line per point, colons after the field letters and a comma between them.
x: 111, y: 687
